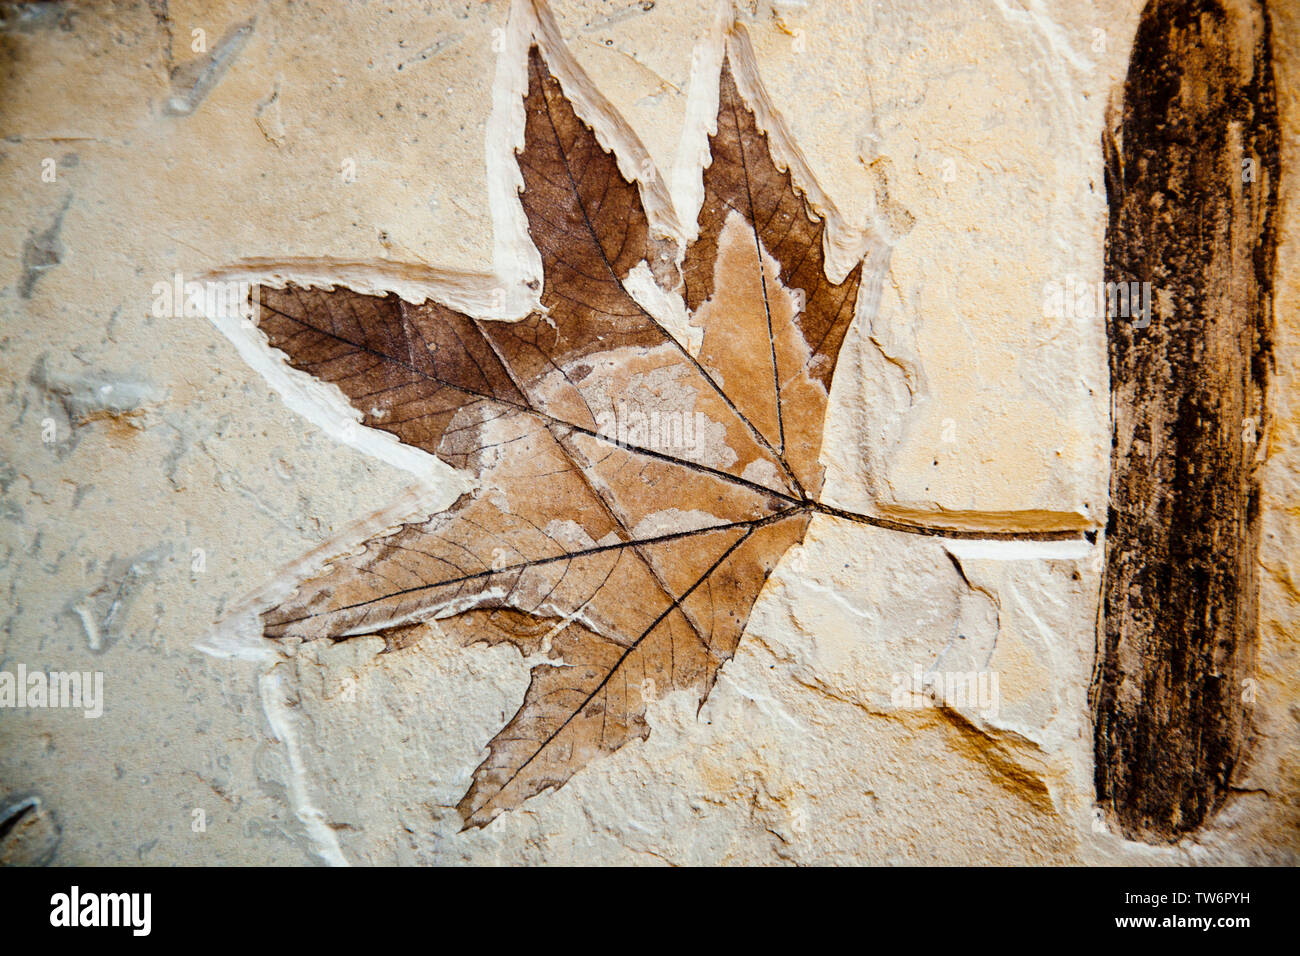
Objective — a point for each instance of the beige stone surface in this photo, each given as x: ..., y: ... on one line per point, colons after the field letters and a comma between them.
x: 178, y: 479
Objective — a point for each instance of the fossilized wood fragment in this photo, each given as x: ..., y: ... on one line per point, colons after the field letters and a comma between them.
x: 1192, y: 183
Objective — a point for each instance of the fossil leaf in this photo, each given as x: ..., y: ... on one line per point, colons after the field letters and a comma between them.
x: 633, y: 498
x: 757, y: 273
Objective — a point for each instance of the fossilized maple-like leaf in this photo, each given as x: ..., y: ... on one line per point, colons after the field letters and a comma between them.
x: 632, y: 497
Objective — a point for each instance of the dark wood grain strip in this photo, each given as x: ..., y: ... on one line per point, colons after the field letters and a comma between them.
x: 1192, y: 183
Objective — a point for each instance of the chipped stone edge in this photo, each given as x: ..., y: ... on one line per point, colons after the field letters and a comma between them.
x: 278, y: 714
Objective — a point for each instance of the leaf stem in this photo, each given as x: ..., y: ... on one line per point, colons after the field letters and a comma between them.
x: 942, y: 531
